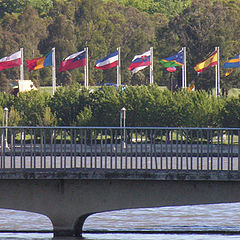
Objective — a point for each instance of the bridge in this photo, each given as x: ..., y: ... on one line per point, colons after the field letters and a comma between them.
x: 69, y: 173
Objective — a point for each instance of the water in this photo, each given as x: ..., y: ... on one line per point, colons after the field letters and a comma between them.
x: 215, y: 217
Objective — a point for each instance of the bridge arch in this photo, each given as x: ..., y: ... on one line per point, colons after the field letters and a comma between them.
x: 68, y: 202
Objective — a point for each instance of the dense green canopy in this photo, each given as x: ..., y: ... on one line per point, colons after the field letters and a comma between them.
x: 135, y: 25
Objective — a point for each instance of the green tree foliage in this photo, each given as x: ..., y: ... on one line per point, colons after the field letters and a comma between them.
x: 170, y: 8
x: 14, y: 117
x: 22, y: 30
x: 197, y: 109
x: 31, y: 107
x: 43, y: 7
x: 230, y: 113
x: 201, y: 28
x: 6, y: 100
x: 12, y: 6
x: 105, y: 105
x: 146, y: 106
x: 47, y: 118
x: 4, y: 83
x: 84, y: 118
x: 67, y: 103
x: 134, y: 25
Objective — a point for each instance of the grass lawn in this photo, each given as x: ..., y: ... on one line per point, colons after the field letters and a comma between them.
x: 47, y: 90
x: 234, y: 92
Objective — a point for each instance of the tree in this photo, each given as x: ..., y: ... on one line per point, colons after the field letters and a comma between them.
x: 47, y: 118
x: 43, y: 7
x: 105, y: 106
x: 68, y: 102
x: 65, y: 45
x: 31, y: 106
x: 201, y: 28
x: 4, y: 83
x: 22, y: 31
x: 230, y: 113
x: 12, y: 6
x: 170, y: 8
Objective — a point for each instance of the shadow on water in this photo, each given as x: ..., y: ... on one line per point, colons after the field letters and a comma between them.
x: 69, y: 238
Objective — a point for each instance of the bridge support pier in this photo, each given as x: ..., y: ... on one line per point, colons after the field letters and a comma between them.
x: 63, y: 228
x: 68, y: 202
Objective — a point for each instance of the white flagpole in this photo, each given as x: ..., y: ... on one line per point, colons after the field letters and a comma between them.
x: 21, y: 66
x: 119, y: 68
x: 185, y: 67
x: 86, y: 69
x: 53, y: 71
x: 151, y: 66
x: 217, y: 74
x: 218, y: 70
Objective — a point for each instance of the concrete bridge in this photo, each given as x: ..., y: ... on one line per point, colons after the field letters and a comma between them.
x: 68, y: 174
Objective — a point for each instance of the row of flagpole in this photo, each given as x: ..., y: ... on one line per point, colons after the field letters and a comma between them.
x: 139, y: 62
x: 86, y: 70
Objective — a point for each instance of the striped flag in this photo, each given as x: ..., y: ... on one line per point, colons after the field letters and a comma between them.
x: 11, y: 61
x: 110, y: 61
x: 209, y: 62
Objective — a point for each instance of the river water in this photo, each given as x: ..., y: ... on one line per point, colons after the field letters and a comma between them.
x: 214, y: 217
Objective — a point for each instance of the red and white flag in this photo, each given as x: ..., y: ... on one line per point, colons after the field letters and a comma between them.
x: 75, y: 60
x: 11, y: 61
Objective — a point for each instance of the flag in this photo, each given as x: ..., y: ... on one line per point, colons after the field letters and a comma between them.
x: 75, y: 60
x: 11, y: 61
x: 171, y: 69
x: 233, y: 62
x: 41, y: 62
x: 174, y: 61
x: 211, y: 61
x: 229, y: 71
x: 140, y: 62
x: 110, y: 61
x: 191, y: 87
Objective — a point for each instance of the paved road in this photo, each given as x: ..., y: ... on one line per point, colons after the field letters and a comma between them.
x: 124, y: 162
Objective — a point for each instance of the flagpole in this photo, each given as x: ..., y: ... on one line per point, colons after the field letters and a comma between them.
x: 119, y: 68
x: 53, y: 71
x: 151, y: 66
x: 86, y: 69
x: 185, y: 66
x: 184, y: 82
x: 218, y: 70
x: 217, y: 73
x: 21, y: 66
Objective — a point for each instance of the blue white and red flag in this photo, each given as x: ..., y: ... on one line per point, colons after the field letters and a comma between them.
x: 140, y: 62
x: 110, y: 61
x: 75, y: 60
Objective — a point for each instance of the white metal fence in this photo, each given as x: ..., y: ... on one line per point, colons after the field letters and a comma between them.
x: 121, y: 148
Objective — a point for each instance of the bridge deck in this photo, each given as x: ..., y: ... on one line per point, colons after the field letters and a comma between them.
x: 109, y: 174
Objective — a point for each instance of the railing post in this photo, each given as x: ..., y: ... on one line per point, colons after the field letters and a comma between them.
x: 238, y: 150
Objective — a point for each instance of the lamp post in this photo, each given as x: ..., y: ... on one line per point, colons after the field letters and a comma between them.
x: 123, y: 124
x: 6, y: 124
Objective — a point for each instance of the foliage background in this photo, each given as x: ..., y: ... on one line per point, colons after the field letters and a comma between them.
x: 148, y: 106
x: 135, y: 25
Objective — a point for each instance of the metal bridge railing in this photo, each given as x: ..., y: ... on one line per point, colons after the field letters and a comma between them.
x: 121, y: 148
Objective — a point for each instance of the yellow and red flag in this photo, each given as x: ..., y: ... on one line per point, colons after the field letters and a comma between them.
x: 211, y: 61
x: 41, y: 62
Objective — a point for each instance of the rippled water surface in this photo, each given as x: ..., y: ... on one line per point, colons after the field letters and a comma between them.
x: 216, y: 217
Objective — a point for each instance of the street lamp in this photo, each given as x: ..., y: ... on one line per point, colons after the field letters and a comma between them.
x: 6, y: 124
x: 123, y: 124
